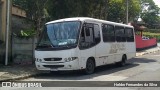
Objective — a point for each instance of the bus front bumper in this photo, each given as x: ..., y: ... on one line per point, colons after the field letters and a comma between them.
x: 63, y: 66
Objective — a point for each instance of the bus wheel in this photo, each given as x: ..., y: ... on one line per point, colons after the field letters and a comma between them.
x: 123, y: 61
x: 90, y: 66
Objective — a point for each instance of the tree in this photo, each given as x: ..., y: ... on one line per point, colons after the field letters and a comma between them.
x: 117, y: 10
x: 150, y: 12
x: 36, y: 11
x: 112, y: 10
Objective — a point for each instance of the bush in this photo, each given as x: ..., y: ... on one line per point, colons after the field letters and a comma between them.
x: 152, y: 35
x: 28, y: 33
x: 152, y: 30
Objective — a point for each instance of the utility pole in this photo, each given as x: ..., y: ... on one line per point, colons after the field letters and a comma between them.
x: 127, y: 11
x: 7, y: 30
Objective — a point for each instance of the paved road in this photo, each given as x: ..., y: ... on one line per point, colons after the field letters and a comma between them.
x: 143, y: 68
x: 140, y: 68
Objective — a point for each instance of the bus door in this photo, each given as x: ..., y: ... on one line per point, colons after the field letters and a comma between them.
x: 86, y: 44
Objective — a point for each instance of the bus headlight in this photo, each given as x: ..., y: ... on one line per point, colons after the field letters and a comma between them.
x: 70, y: 59
x: 39, y: 60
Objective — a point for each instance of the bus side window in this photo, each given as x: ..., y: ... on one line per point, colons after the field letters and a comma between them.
x: 129, y: 34
x: 82, y: 39
x: 108, y: 33
x: 90, y: 35
x: 97, y: 34
x: 86, y: 38
x: 120, y: 34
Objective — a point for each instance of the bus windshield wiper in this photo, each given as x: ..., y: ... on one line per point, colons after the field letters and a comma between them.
x: 45, y: 45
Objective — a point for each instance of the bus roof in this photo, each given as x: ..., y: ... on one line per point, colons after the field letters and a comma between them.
x: 86, y: 19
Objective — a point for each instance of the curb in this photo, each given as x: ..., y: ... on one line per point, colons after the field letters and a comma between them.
x: 144, y: 53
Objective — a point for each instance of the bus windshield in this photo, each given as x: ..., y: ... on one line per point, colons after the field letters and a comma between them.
x: 62, y: 34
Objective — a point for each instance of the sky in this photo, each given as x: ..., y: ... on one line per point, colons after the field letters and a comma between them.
x: 157, y: 2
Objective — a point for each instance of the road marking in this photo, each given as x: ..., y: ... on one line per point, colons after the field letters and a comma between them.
x: 108, y: 78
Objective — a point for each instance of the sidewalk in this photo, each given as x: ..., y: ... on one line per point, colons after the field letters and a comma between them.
x: 16, y: 72
x: 151, y: 50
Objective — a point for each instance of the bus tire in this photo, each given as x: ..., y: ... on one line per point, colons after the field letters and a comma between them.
x: 123, y: 61
x: 90, y: 66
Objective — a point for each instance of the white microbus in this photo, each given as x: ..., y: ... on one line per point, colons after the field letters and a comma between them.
x: 84, y: 43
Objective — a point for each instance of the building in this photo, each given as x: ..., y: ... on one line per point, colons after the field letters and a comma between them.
x: 3, y: 16
x: 17, y: 11
x: 18, y: 21
x: 22, y: 49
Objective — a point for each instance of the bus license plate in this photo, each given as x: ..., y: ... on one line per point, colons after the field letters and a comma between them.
x: 54, y: 69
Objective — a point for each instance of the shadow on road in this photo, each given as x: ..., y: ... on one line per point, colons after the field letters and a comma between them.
x: 79, y: 75
x: 142, y: 60
x: 99, y: 71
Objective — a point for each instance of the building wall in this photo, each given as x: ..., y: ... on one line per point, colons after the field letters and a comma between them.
x: 142, y: 44
x: 3, y: 19
x: 18, y: 22
x: 18, y: 11
x: 22, y: 48
x: 0, y: 19
x: 2, y: 29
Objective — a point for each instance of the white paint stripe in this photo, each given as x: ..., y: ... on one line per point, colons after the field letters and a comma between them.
x: 108, y: 78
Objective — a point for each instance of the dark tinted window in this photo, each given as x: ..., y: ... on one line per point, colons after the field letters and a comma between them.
x: 108, y: 33
x: 90, y: 35
x: 97, y: 33
x: 87, y: 32
x: 129, y: 34
x: 120, y: 34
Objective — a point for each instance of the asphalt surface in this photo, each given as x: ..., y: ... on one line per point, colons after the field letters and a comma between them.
x: 142, y: 68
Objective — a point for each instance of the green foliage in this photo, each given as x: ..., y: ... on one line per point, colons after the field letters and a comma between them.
x: 36, y: 11
x: 28, y: 33
x: 150, y: 13
x: 152, y: 35
x: 117, y: 10
x: 153, y: 30
x: 41, y: 11
x: 112, y: 10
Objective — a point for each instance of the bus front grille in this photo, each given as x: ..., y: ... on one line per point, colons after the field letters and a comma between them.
x: 52, y: 59
x: 53, y: 66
